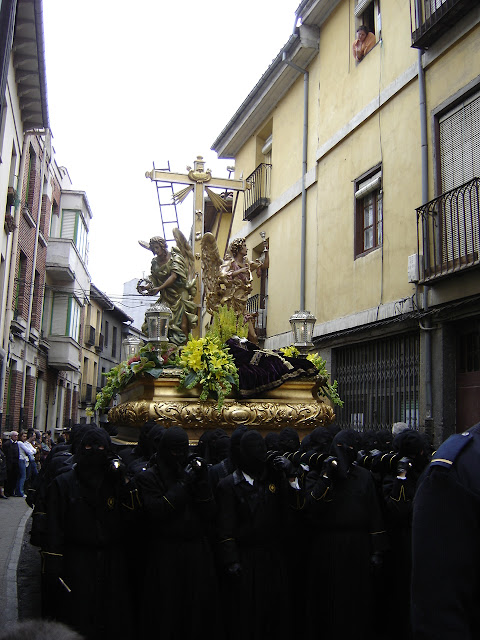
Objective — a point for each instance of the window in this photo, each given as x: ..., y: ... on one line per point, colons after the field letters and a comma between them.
x: 73, y: 227
x: 459, y: 141
x: 459, y: 134
x: 114, y: 342
x: 378, y: 380
x: 106, y: 334
x: 368, y: 211
x: 65, y: 318
x: 30, y: 179
x: 21, y: 284
x: 367, y: 12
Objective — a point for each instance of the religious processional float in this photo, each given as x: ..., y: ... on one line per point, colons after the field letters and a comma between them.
x: 222, y: 379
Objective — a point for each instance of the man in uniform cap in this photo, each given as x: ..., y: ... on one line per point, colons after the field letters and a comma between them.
x: 445, y: 539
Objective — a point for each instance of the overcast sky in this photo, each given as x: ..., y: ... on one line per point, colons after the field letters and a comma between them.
x: 132, y: 84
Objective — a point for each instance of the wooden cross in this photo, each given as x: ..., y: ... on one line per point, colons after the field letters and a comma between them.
x: 197, y: 179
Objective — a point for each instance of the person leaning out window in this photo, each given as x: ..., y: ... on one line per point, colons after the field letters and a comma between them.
x: 364, y: 43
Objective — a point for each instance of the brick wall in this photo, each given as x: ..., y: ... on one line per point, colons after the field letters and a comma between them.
x: 66, y: 408
x: 29, y: 401
x: 26, y: 239
x: 75, y: 406
x: 15, y: 398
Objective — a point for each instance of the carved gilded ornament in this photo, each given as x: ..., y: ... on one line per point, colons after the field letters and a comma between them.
x: 198, y: 173
x: 196, y: 414
x: 293, y: 404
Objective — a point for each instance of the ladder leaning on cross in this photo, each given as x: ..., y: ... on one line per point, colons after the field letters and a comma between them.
x: 197, y: 180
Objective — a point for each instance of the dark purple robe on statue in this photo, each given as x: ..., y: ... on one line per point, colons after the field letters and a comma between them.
x: 260, y: 370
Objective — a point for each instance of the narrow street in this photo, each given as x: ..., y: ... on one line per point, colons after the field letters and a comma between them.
x: 19, y: 564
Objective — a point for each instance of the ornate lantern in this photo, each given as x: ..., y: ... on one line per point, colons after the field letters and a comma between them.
x: 130, y: 346
x: 302, y: 323
x: 158, y: 318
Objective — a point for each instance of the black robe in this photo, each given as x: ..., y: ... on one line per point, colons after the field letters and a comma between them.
x: 347, y: 528
x: 252, y: 526
x: 180, y: 594
x: 85, y: 548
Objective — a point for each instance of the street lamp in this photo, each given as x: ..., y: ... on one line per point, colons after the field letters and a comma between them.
x: 302, y: 323
x: 158, y: 318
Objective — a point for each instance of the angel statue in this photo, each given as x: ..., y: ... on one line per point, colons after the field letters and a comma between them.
x: 172, y: 276
x: 229, y: 281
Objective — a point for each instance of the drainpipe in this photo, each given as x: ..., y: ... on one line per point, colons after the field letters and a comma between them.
x: 46, y: 150
x: 427, y: 326
x: 304, y: 177
x: 12, y: 271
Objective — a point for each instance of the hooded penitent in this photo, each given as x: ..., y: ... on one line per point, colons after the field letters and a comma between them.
x: 411, y: 444
x: 172, y: 449
x: 345, y: 449
x: 289, y: 440
x: 93, y: 455
x: 319, y: 440
x: 253, y: 454
x: 235, y: 440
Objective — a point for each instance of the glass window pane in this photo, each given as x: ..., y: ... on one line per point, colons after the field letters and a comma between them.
x: 368, y: 238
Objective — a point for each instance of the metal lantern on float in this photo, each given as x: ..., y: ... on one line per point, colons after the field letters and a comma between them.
x: 158, y: 318
x: 130, y: 346
x: 302, y: 323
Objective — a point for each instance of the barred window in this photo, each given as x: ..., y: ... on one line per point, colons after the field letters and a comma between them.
x: 378, y: 381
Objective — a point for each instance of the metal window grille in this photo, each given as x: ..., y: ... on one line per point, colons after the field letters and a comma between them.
x: 378, y: 382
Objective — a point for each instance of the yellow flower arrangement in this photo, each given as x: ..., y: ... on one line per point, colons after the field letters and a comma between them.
x: 208, y: 363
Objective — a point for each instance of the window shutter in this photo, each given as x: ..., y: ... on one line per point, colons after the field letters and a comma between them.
x: 460, y: 144
x: 267, y: 147
x: 59, y: 315
x: 366, y: 187
x: 68, y: 224
x: 361, y: 6
x: 459, y: 163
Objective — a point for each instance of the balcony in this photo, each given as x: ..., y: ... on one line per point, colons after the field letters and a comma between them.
x: 87, y: 392
x: 63, y: 353
x: 259, y: 316
x: 64, y: 265
x: 257, y: 195
x: 448, y: 232
x: 430, y: 19
x: 99, y: 346
x: 89, y: 335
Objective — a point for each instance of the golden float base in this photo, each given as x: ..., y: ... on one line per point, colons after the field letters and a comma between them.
x: 293, y: 404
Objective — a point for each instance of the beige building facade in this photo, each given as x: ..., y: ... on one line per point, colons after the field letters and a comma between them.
x: 365, y: 179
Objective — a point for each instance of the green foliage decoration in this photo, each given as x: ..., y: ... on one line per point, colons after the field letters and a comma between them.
x: 226, y: 324
x: 328, y: 390
x: 146, y: 362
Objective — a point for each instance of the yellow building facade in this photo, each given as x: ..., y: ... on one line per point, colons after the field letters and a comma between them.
x: 362, y: 176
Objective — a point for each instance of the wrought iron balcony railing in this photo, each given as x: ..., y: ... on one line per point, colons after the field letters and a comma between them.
x: 448, y: 232
x: 259, y: 315
x: 432, y: 18
x: 257, y: 195
x: 89, y: 335
x: 99, y: 346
